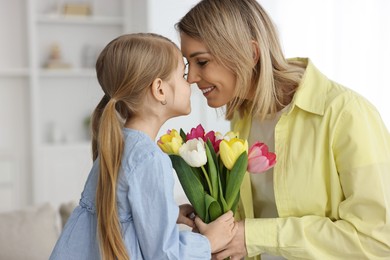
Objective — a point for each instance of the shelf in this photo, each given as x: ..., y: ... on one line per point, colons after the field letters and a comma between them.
x: 80, y: 20
x: 51, y: 171
x: 17, y: 72
x: 83, y: 145
x: 67, y: 73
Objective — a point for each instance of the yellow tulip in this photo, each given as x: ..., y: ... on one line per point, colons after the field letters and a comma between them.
x: 231, y: 150
x: 230, y: 135
x: 170, y: 142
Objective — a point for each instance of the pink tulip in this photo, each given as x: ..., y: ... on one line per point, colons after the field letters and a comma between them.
x: 259, y: 159
x: 196, y: 133
x: 215, y: 142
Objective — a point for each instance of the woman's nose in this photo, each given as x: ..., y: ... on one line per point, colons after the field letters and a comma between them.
x: 193, y: 76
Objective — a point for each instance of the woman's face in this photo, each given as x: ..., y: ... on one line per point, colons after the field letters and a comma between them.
x: 216, y: 82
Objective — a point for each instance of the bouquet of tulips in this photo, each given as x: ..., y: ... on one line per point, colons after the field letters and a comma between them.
x: 211, y: 167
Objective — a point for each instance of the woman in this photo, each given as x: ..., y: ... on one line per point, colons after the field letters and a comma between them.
x: 327, y: 197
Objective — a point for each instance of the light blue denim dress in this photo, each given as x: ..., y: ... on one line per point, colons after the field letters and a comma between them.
x: 146, y: 207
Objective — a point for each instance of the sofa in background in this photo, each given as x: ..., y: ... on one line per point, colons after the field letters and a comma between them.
x: 31, y: 233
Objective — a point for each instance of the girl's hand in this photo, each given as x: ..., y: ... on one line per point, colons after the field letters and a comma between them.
x: 186, y: 213
x: 219, y: 232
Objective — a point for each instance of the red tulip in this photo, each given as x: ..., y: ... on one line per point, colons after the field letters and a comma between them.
x: 213, y: 139
x: 196, y: 133
x: 199, y: 132
x: 259, y: 159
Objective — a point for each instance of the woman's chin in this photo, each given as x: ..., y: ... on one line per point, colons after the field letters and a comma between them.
x: 213, y: 104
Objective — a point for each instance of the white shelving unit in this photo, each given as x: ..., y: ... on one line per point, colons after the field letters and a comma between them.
x: 62, y: 98
x: 44, y: 146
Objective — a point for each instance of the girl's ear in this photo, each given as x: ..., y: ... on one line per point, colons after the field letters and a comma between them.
x: 158, y: 90
x: 255, y: 51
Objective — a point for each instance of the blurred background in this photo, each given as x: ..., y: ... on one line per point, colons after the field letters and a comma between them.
x: 48, y: 86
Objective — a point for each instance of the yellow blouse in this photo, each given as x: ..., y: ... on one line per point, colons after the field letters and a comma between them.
x: 331, y: 179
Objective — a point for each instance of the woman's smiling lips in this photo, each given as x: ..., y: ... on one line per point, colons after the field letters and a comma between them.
x: 205, y: 91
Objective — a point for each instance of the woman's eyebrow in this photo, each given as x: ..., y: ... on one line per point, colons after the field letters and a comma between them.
x: 198, y: 53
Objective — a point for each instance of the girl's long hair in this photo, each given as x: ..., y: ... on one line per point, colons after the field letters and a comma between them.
x: 229, y: 28
x: 125, y: 69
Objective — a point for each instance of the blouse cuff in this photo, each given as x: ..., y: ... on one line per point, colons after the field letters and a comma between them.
x: 260, y: 234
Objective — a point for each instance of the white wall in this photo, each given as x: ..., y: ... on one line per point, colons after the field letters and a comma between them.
x: 14, y: 104
x: 347, y: 40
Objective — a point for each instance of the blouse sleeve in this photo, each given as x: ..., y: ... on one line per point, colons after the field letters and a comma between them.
x: 362, y: 156
x: 155, y: 214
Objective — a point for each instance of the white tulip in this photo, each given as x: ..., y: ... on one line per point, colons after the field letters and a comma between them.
x: 193, y: 152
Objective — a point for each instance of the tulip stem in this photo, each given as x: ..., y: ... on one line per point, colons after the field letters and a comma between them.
x: 227, y: 176
x: 207, y: 179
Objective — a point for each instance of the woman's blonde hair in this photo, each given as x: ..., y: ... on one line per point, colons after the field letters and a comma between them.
x: 125, y: 69
x: 230, y: 29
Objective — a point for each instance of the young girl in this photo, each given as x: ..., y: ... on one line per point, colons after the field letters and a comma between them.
x: 127, y: 209
x: 328, y: 196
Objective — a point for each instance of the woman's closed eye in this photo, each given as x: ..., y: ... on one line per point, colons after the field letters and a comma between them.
x: 202, y: 63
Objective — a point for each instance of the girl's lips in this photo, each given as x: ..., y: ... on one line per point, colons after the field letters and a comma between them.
x: 205, y: 91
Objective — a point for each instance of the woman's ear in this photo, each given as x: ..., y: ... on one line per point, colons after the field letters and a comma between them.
x: 255, y: 51
x: 158, y: 90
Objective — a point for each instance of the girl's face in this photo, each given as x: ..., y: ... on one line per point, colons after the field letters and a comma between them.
x: 181, y: 102
x: 215, y: 81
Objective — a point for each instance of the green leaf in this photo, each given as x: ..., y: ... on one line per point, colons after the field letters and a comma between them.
x: 183, y: 135
x: 191, y: 184
x: 235, y: 203
x: 212, y: 170
x: 235, y: 179
x: 213, y: 208
x: 198, y: 173
x: 223, y: 172
x: 212, y: 151
x: 221, y: 197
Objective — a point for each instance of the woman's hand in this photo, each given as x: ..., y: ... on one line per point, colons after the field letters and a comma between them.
x: 236, y: 249
x: 186, y: 213
x: 219, y: 232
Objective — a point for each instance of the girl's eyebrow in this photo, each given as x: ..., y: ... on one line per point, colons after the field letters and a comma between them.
x: 198, y: 53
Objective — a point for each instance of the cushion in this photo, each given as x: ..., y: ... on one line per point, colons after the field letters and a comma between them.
x: 30, y: 233
x: 66, y: 210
